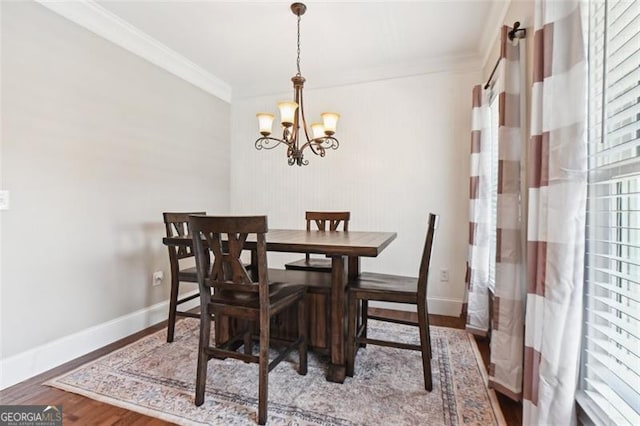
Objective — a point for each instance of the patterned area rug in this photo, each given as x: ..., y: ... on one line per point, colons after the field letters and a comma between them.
x: 157, y: 378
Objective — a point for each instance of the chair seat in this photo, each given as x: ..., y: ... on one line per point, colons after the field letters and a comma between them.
x: 188, y: 275
x: 191, y: 275
x: 389, y: 288
x: 314, y: 281
x: 280, y: 295
x: 313, y: 264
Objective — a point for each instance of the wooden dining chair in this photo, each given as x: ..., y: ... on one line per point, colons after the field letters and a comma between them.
x: 323, y: 221
x: 319, y: 299
x: 177, y: 225
x: 226, y: 289
x: 392, y: 288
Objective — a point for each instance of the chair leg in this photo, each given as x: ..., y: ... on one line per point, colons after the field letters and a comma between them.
x: 302, y: 335
x: 263, y: 379
x: 428, y: 336
x: 219, y: 324
x: 364, y: 317
x: 248, y: 343
x: 425, y: 345
x: 351, y: 333
x: 203, y: 357
x: 173, y: 306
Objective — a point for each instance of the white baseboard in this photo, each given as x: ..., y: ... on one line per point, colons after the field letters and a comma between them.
x: 32, y: 362
x: 437, y: 306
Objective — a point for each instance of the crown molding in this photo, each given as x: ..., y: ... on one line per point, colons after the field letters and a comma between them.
x: 95, y: 18
x: 348, y: 77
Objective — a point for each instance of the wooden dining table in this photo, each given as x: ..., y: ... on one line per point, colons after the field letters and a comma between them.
x: 345, y: 248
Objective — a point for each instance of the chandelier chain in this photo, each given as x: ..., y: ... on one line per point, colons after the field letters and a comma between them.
x: 298, y: 60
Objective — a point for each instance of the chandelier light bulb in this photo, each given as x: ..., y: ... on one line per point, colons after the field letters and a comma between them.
x: 318, y: 130
x: 265, y: 122
x: 287, y: 112
x: 330, y: 120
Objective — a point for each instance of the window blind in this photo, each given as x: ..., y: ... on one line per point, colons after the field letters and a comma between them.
x: 611, y: 351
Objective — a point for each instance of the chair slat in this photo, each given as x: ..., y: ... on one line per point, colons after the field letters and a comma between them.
x: 323, y: 221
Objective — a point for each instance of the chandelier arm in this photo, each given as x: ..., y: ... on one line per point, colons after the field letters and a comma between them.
x: 319, y: 145
x: 304, y: 119
x: 264, y: 143
x: 315, y: 147
x: 289, y: 135
x: 334, y: 143
x: 310, y: 145
x: 295, y: 133
x: 326, y: 142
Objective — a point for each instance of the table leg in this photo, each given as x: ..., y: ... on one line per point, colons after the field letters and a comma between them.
x: 361, y: 310
x: 354, y: 267
x: 337, y: 368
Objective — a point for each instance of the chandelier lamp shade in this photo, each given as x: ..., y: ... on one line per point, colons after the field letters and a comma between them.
x: 295, y: 132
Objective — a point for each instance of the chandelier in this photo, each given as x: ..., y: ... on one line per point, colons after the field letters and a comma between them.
x: 293, y: 120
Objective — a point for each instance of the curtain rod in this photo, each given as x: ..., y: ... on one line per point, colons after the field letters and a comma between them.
x: 515, y: 34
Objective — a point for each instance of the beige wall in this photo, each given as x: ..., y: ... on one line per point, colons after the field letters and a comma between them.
x: 404, y: 153
x: 96, y: 144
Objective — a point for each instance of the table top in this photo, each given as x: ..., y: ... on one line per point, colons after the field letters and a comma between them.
x: 344, y: 243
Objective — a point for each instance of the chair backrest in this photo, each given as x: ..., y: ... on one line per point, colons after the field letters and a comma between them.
x: 177, y: 225
x: 322, y: 219
x: 330, y: 220
x: 225, y: 237
x: 423, y: 276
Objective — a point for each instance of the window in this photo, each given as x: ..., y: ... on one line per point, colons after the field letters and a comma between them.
x: 610, y: 375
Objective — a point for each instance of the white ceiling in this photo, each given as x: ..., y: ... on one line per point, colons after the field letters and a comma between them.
x: 252, y: 45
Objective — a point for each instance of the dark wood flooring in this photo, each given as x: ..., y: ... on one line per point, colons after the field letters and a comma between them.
x: 84, y: 411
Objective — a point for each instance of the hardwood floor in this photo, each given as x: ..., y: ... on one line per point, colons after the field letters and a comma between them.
x: 77, y: 409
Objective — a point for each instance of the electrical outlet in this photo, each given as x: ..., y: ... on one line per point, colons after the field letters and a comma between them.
x: 444, y: 275
x: 158, y: 276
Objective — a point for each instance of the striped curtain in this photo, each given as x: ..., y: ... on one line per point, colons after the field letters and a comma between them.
x: 557, y: 205
x: 507, y: 316
x: 477, y: 276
